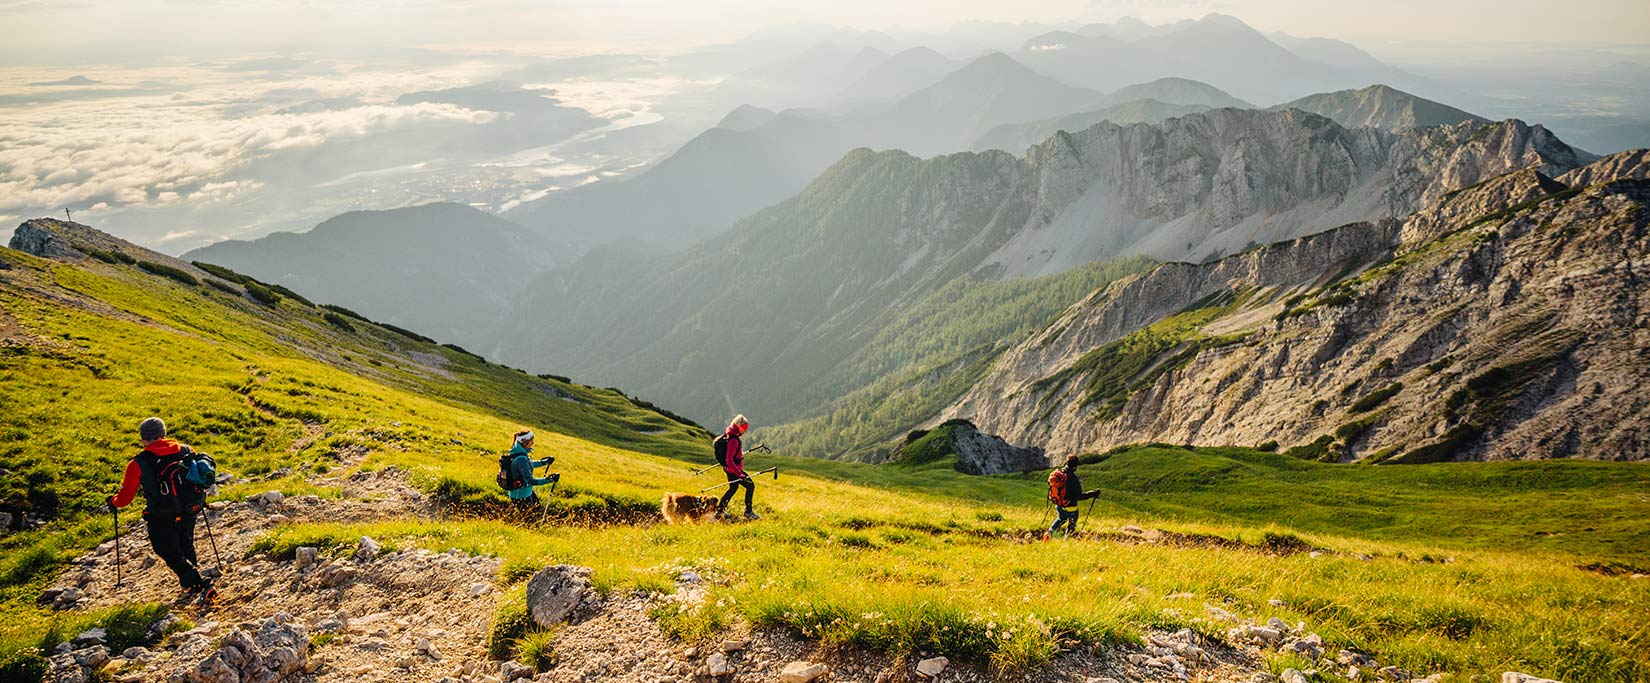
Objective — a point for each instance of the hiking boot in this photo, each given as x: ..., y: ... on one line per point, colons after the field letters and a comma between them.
x: 193, y: 593
x: 751, y: 516
x: 208, y: 595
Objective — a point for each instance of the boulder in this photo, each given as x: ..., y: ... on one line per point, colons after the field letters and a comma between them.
x: 801, y: 672
x: 717, y: 664
x: 1516, y: 677
x: 514, y: 671
x: 429, y: 649
x: 305, y: 557
x: 734, y: 645
x: 89, y: 638
x: 1292, y: 676
x: 932, y: 667
x: 367, y: 550
x: 554, y: 593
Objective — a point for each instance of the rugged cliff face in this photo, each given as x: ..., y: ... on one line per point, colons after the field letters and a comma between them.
x: 1504, y: 321
x: 771, y: 310
x: 1222, y: 181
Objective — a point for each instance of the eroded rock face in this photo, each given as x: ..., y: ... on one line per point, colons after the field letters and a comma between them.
x: 1510, y: 323
x: 981, y: 453
x: 34, y: 237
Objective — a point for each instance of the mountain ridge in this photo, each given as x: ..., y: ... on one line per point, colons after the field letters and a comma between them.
x: 797, y: 285
x: 1420, y: 320
x: 400, y: 265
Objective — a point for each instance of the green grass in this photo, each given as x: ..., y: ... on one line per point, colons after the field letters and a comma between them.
x: 926, y: 355
x: 1466, y: 568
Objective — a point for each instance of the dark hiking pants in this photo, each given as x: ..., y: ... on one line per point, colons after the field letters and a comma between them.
x: 173, y: 538
x: 1067, y: 518
x: 734, y: 482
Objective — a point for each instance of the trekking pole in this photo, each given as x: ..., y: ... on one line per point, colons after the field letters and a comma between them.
x: 1085, y: 520
x: 758, y: 448
x: 116, y: 512
x: 748, y: 477
x: 206, y: 515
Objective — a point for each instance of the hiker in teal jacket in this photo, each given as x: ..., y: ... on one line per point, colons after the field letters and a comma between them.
x: 522, y: 466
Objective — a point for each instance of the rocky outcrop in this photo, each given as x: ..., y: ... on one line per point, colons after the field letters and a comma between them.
x: 277, y: 650
x: 37, y: 238
x: 970, y: 450
x: 1504, y: 321
x: 1633, y: 163
x: 68, y: 241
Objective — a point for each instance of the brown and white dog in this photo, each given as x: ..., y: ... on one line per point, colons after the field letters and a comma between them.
x: 686, y: 507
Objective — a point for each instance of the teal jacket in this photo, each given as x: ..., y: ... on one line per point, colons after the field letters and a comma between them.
x: 522, y: 465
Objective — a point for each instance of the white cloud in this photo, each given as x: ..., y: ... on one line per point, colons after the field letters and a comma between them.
x: 182, y: 148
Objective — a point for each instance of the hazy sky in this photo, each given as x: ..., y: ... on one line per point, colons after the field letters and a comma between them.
x: 97, y: 29
x: 222, y: 118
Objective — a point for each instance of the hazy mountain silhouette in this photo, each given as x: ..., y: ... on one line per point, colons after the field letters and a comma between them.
x: 445, y: 269
x: 1380, y: 106
x: 727, y: 173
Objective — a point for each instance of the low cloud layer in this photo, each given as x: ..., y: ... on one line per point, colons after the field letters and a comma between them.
x: 155, y: 151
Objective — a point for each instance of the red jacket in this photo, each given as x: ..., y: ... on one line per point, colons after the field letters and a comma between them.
x: 132, y: 482
x: 736, y: 453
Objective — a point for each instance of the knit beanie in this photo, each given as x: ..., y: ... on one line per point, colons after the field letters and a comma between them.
x: 152, y: 429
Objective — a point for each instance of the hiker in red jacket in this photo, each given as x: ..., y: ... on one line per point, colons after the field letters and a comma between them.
x: 169, y: 510
x: 733, y: 464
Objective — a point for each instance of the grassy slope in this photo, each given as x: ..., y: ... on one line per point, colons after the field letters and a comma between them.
x: 926, y: 355
x: 905, y: 559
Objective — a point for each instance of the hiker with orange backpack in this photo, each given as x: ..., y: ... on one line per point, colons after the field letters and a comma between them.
x: 1065, y: 491
x: 173, y: 480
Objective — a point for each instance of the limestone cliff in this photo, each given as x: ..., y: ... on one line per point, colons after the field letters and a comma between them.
x: 1506, y: 320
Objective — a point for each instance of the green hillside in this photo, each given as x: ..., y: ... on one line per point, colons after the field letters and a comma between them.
x: 1464, y: 569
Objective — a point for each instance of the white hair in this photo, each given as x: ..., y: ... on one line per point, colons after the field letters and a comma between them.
x: 739, y: 420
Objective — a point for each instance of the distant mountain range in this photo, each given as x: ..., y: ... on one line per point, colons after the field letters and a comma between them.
x: 1217, y: 49
x: 447, y: 270
x: 767, y: 310
x: 755, y: 159
x: 1015, y: 138
x: 1380, y: 106
x: 923, y: 102
x: 1141, y: 103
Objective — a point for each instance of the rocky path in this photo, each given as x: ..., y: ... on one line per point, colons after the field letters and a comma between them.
x: 404, y: 615
x: 363, y: 613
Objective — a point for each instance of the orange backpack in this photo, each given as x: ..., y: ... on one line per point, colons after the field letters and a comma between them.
x: 1057, y: 488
